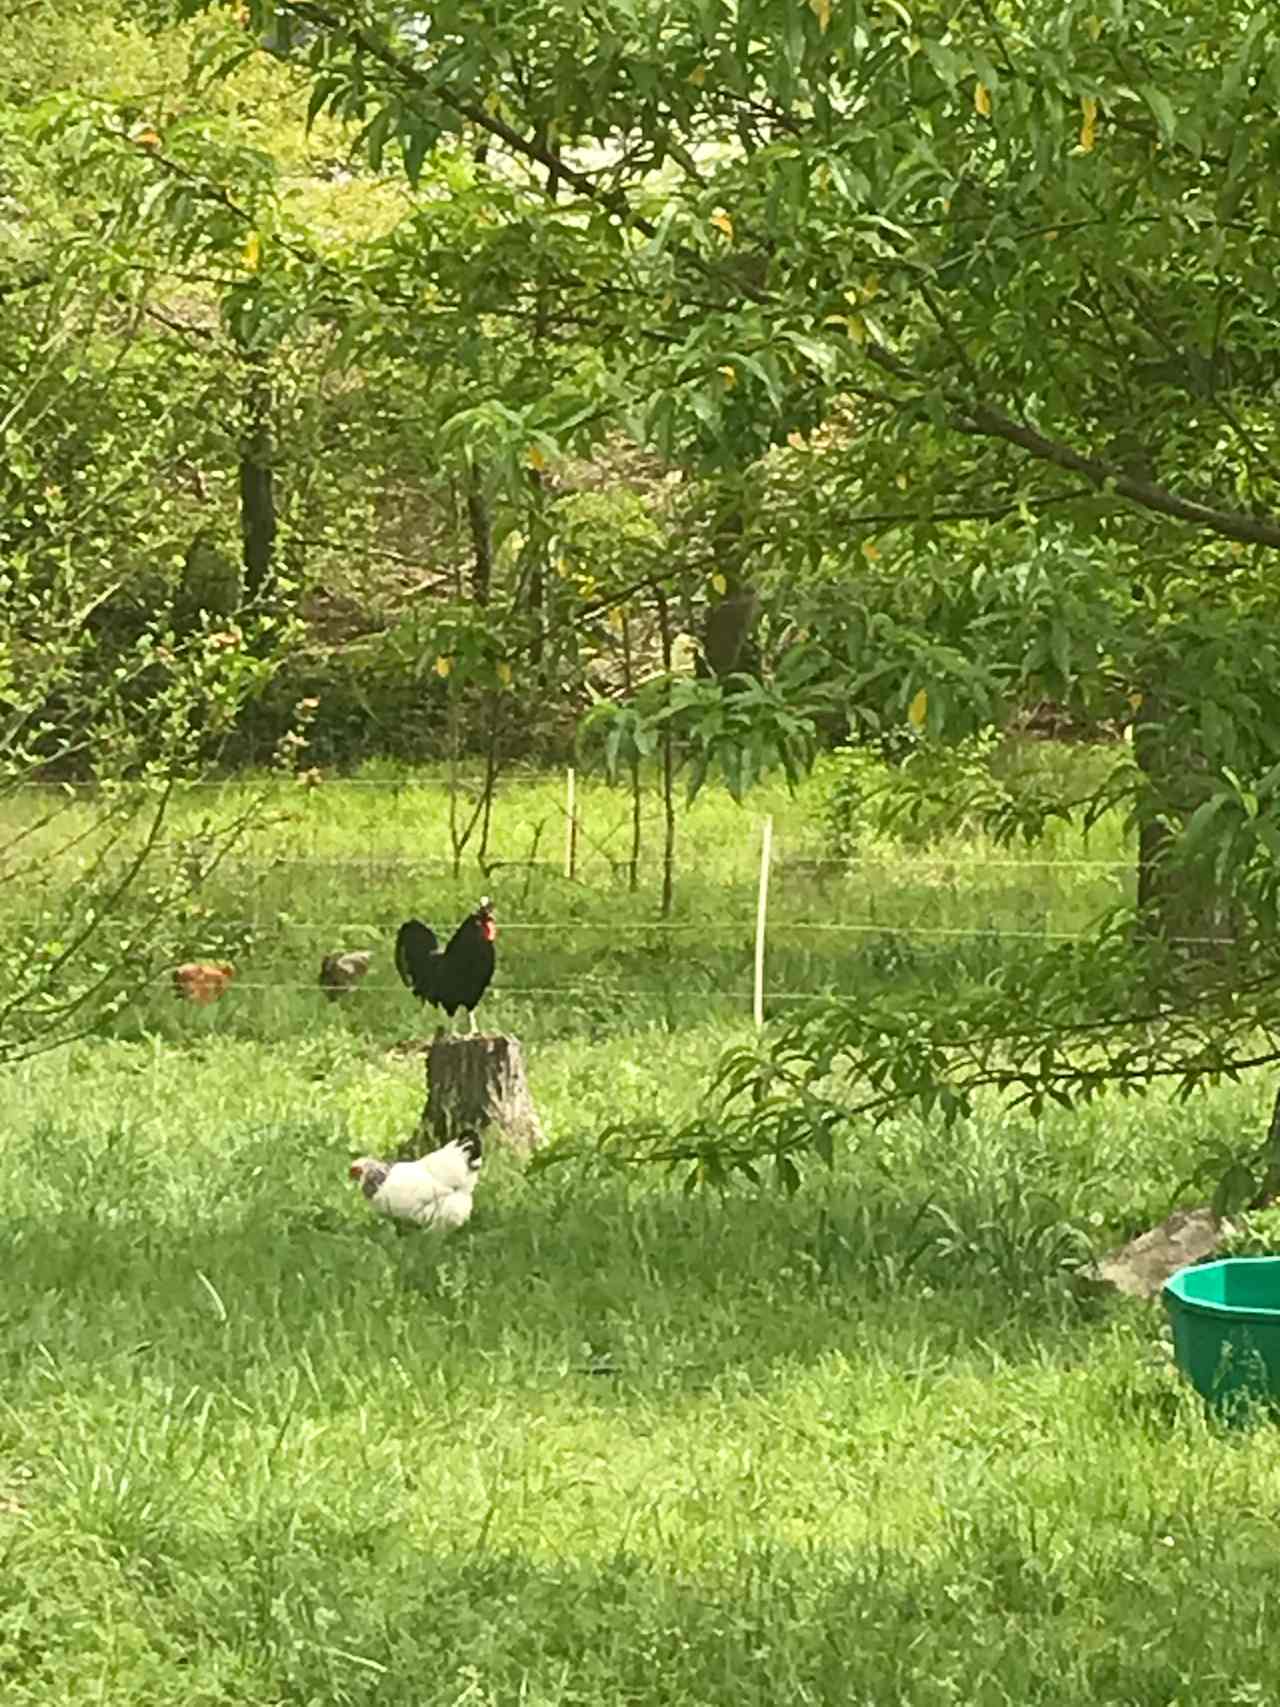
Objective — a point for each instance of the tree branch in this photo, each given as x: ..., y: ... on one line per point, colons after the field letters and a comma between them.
x: 11, y: 287
x: 983, y: 421
x: 970, y: 513
x: 534, y: 148
x: 1231, y: 524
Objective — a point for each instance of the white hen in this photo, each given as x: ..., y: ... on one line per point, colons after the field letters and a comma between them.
x: 435, y: 1191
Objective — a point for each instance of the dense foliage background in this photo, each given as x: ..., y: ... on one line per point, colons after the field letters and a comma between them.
x: 687, y: 383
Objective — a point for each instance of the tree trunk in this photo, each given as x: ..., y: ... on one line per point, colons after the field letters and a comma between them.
x: 481, y: 538
x: 633, y: 864
x: 479, y: 1082
x: 530, y: 591
x: 668, y: 766
x: 537, y: 613
x: 727, y: 642
x: 1269, y: 1184
x: 257, y: 489
x: 726, y: 639
x: 1176, y: 902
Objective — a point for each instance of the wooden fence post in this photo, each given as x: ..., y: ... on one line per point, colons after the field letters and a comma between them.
x: 762, y: 908
x: 570, y: 824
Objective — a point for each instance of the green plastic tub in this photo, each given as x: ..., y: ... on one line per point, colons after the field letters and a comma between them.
x: 1226, y: 1329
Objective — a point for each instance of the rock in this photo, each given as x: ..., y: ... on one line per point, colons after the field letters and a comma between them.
x: 1140, y: 1268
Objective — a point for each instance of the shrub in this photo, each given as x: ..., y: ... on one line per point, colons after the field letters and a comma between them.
x: 932, y: 791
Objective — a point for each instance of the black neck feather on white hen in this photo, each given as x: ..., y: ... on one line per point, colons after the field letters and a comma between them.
x: 435, y: 1191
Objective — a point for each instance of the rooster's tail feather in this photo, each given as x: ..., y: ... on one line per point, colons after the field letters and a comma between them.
x: 418, y: 958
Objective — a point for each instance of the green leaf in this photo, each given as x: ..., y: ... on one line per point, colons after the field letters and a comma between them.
x: 1234, y: 1190
x: 1060, y: 649
x: 612, y: 744
x: 322, y: 92
x: 376, y: 134
x: 415, y: 142
x: 1162, y: 107
x: 824, y: 356
x: 788, y: 1174
x: 1202, y: 821
x: 944, y: 62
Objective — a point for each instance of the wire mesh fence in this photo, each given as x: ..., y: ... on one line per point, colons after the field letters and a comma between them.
x: 575, y: 869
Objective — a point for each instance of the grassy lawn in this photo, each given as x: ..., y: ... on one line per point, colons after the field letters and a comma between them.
x: 610, y: 1443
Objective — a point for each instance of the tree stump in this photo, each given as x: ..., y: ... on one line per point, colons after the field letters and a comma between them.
x: 478, y: 1082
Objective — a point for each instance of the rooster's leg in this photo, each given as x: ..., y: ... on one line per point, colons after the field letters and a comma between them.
x: 471, y: 1022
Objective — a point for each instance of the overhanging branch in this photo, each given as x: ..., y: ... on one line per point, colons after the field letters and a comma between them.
x: 1231, y: 524
x: 534, y: 149
x: 983, y: 421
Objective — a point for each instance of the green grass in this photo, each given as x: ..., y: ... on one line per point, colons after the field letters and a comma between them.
x: 611, y: 1443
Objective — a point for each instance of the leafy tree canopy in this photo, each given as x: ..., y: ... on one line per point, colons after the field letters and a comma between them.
x: 986, y: 294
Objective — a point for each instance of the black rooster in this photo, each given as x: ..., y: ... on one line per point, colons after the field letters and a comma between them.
x: 458, y: 976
